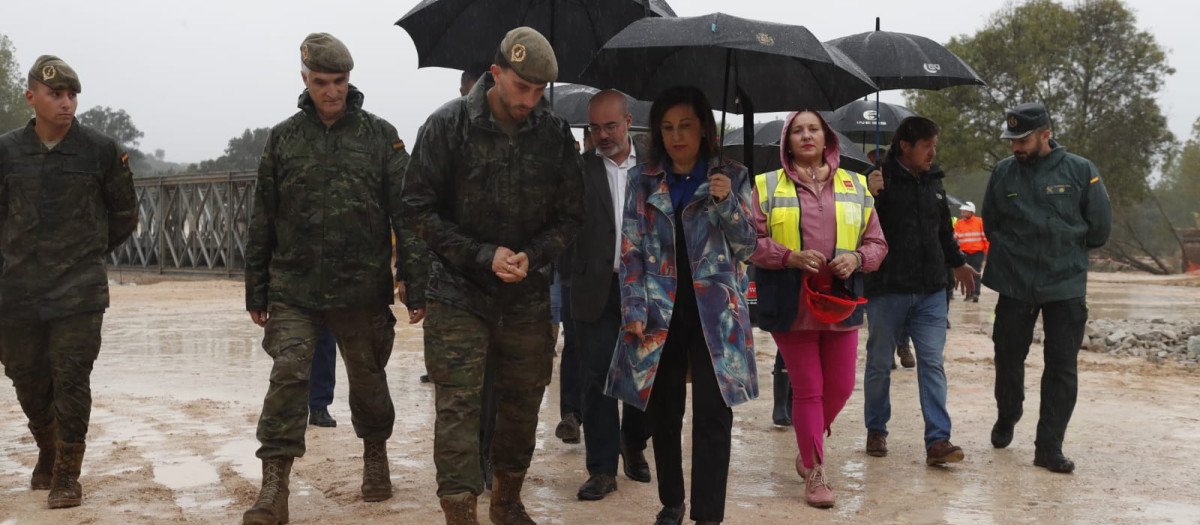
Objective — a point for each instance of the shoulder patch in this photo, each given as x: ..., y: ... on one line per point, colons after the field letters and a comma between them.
x: 1094, y: 180
x: 399, y: 144
x: 124, y: 158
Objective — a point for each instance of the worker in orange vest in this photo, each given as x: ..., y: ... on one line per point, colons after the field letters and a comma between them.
x: 969, y: 232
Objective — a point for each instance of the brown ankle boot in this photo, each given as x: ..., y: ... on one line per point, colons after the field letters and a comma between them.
x: 460, y: 509
x: 506, y: 507
x: 47, y: 443
x: 377, y: 480
x: 271, y: 507
x: 65, y: 490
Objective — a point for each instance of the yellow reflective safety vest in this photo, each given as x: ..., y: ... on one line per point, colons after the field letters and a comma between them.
x: 778, y: 200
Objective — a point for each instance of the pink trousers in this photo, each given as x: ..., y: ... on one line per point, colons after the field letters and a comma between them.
x: 820, y: 364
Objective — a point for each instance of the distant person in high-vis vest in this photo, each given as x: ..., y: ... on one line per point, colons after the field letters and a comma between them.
x: 972, y: 241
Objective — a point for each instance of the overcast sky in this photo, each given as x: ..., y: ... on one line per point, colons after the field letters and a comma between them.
x: 194, y: 74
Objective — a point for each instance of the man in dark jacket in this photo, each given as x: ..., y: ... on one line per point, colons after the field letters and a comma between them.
x: 596, y: 299
x: 66, y: 202
x: 909, y: 289
x: 325, y: 208
x: 1043, y: 211
x: 494, y: 188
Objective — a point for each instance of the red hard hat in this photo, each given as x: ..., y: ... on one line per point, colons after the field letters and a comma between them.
x: 826, y: 305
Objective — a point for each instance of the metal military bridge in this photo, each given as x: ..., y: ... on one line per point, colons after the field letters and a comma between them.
x: 190, y: 224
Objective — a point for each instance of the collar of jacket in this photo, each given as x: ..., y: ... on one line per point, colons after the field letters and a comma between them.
x: 71, y: 143
x: 480, y: 114
x: 660, y: 197
x: 354, y: 102
x: 935, y: 171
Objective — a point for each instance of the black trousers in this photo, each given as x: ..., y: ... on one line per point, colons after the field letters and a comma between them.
x: 1064, y: 323
x: 570, y: 394
x: 976, y: 262
x: 712, y: 419
x: 324, y: 365
x: 604, y: 427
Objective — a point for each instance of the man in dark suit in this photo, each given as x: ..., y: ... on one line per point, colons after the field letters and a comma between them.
x: 596, y: 299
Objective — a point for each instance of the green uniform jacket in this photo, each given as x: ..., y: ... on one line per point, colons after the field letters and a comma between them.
x: 61, y: 212
x: 325, y: 207
x: 470, y: 188
x: 1041, y: 220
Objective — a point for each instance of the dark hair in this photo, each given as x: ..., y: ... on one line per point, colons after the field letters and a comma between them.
x: 675, y: 96
x: 911, y: 130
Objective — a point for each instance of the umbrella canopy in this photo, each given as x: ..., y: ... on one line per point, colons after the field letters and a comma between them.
x: 742, y: 65
x: 766, y: 148
x: 860, y: 119
x: 458, y: 34
x: 904, y: 61
x: 571, y: 103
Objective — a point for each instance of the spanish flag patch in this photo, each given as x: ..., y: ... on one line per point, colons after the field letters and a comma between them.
x: 124, y: 158
x: 1094, y: 180
x: 399, y: 144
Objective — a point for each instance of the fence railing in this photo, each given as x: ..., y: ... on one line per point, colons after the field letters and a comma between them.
x: 194, y: 223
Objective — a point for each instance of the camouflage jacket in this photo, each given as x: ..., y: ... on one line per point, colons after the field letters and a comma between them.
x: 325, y: 207
x: 470, y: 188
x: 61, y: 212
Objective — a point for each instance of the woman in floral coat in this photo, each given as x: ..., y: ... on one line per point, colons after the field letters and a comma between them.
x: 688, y: 228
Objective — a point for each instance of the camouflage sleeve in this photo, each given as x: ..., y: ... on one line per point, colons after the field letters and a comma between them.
x: 412, y: 260
x: 427, y: 184
x: 568, y: 209
x: 261, y: 242
x: 120, y: 198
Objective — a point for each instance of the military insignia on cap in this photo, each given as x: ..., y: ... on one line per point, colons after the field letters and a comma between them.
x: 1012, y: 121
x: 48, y: 73
x: 518, y: 53
x: 304, y: 52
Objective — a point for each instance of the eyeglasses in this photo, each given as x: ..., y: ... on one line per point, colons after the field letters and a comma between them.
x: 608, y: 129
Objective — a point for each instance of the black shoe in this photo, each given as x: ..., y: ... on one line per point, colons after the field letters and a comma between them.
x: 596, y: 487
x: 319, y: 417
x: 670, y: 516
x: 425, y: 378
x: 1002, y: 434
x: 568, y: 429
x: 636, y: 466
x: 1053, y: 461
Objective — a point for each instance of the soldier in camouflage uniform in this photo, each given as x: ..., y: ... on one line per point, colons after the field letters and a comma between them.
x: 325, y: 206
x: 66, y: 202
x: 495, y: 189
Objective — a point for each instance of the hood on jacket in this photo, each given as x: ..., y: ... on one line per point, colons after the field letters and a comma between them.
x: 833, y: 151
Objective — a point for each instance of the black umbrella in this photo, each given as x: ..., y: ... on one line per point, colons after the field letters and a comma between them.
x: 862, y: 119
x: 905, y: 61
x: 571, y: 103
x: 458, y: 34
x: 766, y: 148
x: 759, y: 66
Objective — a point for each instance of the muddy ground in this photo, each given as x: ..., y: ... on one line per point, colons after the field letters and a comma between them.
x: 180, y: 380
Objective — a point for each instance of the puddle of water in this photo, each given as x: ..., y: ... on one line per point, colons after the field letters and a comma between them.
x: 190, y: 472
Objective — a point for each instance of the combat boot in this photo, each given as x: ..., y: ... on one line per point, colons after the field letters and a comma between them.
x: 65, y: 490
x: 506, y: 507
x: 377, y: 479
x: 43, y: 471
x: 271, y: 507
x: 460, y: 509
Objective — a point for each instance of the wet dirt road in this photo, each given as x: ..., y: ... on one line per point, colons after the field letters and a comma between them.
x: 180, y: 380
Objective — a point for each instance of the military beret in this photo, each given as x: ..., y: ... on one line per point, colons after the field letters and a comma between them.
x: 1022, y: 120
x: 323, y: 53
x: 530, y: 55
x: 54, y: 72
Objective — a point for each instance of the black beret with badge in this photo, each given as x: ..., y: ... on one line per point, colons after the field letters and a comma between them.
x: 530, y: 55
x: 323, y: 53
x: 1024, y: 119
x: 54, y: 72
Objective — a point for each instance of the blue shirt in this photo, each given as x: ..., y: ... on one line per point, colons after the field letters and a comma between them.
x: 684, y: 185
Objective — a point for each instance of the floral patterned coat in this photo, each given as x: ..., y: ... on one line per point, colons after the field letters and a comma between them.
x: 720, y: 238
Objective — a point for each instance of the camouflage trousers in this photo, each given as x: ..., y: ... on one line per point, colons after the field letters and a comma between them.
x: 50, y: 364
x: 458, y: 346
x: 364, y: 337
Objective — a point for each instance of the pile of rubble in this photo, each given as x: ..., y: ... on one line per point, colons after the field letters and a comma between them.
x: 1156, y: 340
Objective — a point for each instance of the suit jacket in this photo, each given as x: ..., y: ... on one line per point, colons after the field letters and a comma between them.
x: 591, y: 257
